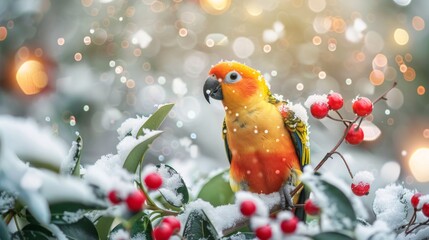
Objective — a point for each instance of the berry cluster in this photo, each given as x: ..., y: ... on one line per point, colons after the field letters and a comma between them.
x: 320, y: 105
x: 288, y: 223
x: 420, y: 206
x: 168, y: 226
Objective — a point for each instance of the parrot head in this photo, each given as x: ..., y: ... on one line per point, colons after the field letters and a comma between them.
x: 235, y: 84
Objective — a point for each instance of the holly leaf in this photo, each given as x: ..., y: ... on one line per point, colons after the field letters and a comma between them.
x: 176, y: 197
x: 33, y: 231
x: 198, y: 226
x: 136, y: 156
x: 155, y: 120
x: 82, y: 229
x: 76, y: 157
x: 103, y: 226
x: 139, y: 227
x: 217, y: 190
x: 331, y: 236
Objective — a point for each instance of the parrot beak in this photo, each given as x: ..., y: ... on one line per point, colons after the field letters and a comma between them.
x: 212, y: 89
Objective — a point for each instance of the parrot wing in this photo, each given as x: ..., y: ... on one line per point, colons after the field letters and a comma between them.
x: 228, y: 151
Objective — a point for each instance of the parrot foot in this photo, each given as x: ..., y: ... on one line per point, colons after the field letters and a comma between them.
x: 286, y: 202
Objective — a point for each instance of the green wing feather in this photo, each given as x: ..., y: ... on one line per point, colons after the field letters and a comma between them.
x: 228, y: 151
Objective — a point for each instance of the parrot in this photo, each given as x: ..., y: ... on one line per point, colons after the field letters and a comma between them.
x: 266, y: 138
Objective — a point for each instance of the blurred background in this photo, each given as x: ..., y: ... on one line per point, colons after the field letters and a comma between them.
x: 87, y: 65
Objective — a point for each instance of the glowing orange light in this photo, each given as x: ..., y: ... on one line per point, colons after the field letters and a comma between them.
x: 421, y: 90
x: 419, y: 164
x: 418, y: 23
x: 360, y: 56
x: 380, y: 60
x: 376, y: 77
x: 31, y: 77
x: 317, y: 40
x: 426, y: 133
x: 399, y: 60
x: 3, y: 33
x: 401, y: 36
x: 403, y: 68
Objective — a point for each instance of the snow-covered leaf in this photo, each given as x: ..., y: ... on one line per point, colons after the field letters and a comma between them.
x: 69, y: 212
x: 82, y: 229
x: 331, y: 236
x: 139, y: 227
x: 71, y: 164
x: 198, y: 226
x: 217, y: 191
x: 337, y: 210
x: 174, y: 189
x: 155, y: 120
x: 4, y: 233
x: 135, y: 157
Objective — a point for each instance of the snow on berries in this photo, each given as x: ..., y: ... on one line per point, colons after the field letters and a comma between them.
x: 335, y: 101
x: 162, y: 232
x: 311, y: 208
x: 319, y: 110
x: 362, y: 106
x: 135, y: 201
x: 362, y: 183
x: 425, y: 209
x: 355, y: 135
x: 153, y: 181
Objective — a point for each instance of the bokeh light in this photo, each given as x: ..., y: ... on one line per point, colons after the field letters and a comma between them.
x: 418, y: 164
x: 215, y: 7
x: 401, y: 36
x: 32, y: 77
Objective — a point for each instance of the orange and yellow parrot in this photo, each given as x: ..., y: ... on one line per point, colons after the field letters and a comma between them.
x: 266, y: 140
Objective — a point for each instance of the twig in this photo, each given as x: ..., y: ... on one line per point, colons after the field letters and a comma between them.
x: 345, y: 163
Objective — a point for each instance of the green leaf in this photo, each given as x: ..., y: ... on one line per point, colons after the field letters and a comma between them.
x: 182, y: 190
x: 198, y: 226
x: 33, y: 231
x: 331, y: 236
x: 217, y: 190
x: 4, y: 232
x: 82, y: 229
x: 135, y: 157
x: 155, y: 120
x: 241, y: 236
x: 76, y: 158
x: 103, y: 226
x: 58, y: 210
x: 337, y: 208
x: 139, y: 226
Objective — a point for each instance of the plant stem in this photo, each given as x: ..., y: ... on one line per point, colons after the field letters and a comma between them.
x: 345, y: 163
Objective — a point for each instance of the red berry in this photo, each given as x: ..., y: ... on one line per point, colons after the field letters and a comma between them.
x: 311, y: 208
x: 415, y: 199
x: 113, y: 197
x: 319, y: 110
x: 135, y: 201
x: 362, y: 106
x: 153, y: 181
x: 360, y: 189
x: 289, y: 226
x: 425, y: 209
x: 354, y: 136
x: 335, y: 101
x: 173, y: 222
x: 162, y: 232
x: 248, y: 208
x: 264, y: 232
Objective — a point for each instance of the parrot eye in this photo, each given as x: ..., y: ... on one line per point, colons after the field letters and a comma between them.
x: 233, y: 77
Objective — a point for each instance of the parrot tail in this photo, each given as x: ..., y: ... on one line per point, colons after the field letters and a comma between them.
x: 303, y: 196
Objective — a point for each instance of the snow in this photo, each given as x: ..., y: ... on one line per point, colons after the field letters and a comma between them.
x: 420, y: 234
x: 363, y: 177
x: 107, y: 173
x: 31, y: 142
x: 391, y: 205
x: 131, y: 126
x: 120, y: 234
x: 72, y: 217
x: 7, y: 201
x: 316, y: 98
x: 141, y: 38
x: 422, y: 200
x: 299, y: 111
x: 378, y: 231
x: 128, y: 143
